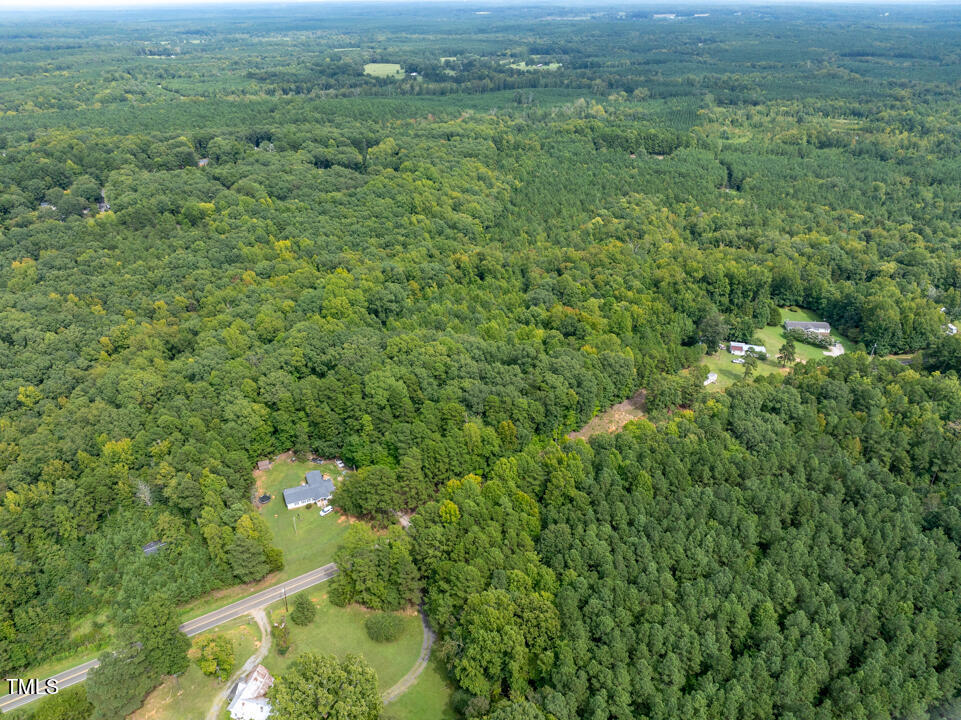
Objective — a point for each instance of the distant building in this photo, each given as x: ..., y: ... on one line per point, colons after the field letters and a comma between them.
x: 203, y: 162
x: 250, y: 698
x: 951, y: 329
x: 821, y: 328
x: 744, y: 348
x: 318, y: 490
x: 153, y: 547
x: 711, y: 378
x: 263, y: 464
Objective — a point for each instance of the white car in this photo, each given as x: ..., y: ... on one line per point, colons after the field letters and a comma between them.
x: 738, y: 361
x: 326, y: 511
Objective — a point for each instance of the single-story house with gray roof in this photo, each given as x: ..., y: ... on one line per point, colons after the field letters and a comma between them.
x: 821, y: 328
x: 318, y: 490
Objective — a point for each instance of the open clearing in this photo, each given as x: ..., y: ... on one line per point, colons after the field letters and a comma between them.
x: 771, y: 337
x: 614, y: 418
x: 307, y: 539
x: 383, y: 70
x: 522, y: 65
x: 340, y: 631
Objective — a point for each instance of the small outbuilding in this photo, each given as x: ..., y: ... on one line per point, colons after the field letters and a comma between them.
x: 263, y: 464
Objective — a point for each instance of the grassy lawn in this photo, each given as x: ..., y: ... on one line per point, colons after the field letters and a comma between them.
x: 428, y: 699
x: 772, y: 337
x: 383, y: 69
x: 340, y: 631
x: 190, y: 696
x: 307, y: 539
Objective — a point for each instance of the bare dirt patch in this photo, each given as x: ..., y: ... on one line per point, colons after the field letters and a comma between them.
x: 614, y: 418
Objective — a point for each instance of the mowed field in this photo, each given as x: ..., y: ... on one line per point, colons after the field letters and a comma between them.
x: 339, y: 631
x: 383, y: 69
x: 428, y: 699
x: 771, y: 337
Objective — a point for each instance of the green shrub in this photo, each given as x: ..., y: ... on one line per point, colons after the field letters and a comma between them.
x: 384, y: 627
x: 809, y: 338
x: 304, y: 611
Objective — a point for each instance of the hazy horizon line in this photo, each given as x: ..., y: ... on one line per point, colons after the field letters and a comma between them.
x: 96, y: 5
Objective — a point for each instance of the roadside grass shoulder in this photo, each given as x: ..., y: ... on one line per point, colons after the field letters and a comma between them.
x: 52, y: 667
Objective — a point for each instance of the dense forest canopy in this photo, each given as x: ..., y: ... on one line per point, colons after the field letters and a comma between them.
x: 222, y: 239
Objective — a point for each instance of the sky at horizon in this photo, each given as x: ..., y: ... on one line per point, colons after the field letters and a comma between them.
x: 666, y: 5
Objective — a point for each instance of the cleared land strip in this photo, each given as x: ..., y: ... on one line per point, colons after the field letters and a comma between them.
x: 192, y: 627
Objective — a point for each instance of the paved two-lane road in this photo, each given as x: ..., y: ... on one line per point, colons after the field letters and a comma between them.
x: 192, y: 627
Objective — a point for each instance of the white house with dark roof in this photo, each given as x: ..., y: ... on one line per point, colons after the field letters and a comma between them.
x: 317, y: 490
x: 820, y: 328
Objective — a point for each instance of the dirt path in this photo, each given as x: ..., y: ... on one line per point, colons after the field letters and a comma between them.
x: 261, y: 617
x: 403, y: 685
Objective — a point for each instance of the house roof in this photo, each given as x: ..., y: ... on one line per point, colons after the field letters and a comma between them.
x: 258, y: 682
x: 318, y: 487
x: 249, y: 701
x: 806, y: 325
